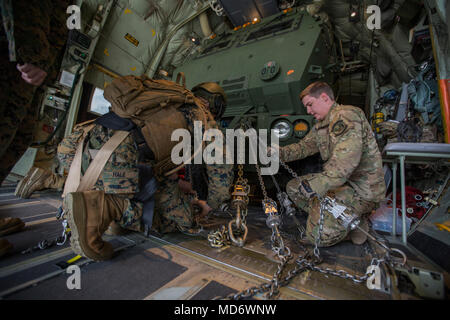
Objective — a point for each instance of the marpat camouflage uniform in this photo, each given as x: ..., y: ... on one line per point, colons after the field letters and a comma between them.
x: 172, y: 206
x: 40, y: 33
x: 119, y: 176
x: 352, y: 172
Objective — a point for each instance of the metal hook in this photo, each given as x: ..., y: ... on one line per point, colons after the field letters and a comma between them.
x: 239, y: 241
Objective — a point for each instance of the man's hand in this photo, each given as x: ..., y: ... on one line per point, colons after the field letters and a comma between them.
x: 306, y: 190
x: 388, y: 129
x: 32, y: 74
x: 204, y: 206
x: 272, y: 149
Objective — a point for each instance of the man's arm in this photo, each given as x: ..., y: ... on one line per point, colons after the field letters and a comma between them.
x: 300, y: 150
x: 40, y: 35
x: 58, y: 37
x: 67, y: 148
x: 344, y: 159
x: 220, y: 180
x: 31, y: 28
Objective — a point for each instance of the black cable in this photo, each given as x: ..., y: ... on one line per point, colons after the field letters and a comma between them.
x: 276, y: 184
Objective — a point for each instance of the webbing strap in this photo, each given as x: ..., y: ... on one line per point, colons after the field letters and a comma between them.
x: 95, y: 168
x: 92, y: 173
x: 73, y: 178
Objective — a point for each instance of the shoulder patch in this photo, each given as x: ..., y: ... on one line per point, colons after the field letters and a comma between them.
x: 339, y: 128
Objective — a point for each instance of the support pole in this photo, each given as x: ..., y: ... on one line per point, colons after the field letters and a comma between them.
x: 402, y: 182
x: 394, y: 199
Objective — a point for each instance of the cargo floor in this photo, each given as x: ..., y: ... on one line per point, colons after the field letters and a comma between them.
x: 172, y: 266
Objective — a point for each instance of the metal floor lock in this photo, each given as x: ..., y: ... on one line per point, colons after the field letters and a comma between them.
x: 378, y: 280
x: 428, y: 284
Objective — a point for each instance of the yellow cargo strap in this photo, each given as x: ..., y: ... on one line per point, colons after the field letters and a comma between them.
x: 66, y: 264
x: 443, y: 226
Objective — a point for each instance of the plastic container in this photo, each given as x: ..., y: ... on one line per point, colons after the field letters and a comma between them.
x: 382, y: 220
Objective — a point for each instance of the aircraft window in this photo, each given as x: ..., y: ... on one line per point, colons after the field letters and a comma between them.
x: 99, y: 105
x: 270, y: 29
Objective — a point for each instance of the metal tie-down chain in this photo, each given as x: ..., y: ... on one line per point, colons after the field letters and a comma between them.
x: 287, y: 207
x: 278, y: 247
x: 303, y: 263
x: 352, y: 223
x: 237, y: 235
x: 59, y: 241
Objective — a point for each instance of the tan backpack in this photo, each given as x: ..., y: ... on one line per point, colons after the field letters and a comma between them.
x: 138, y: 98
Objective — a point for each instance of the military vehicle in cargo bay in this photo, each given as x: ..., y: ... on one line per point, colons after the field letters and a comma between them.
x: 262, y: 66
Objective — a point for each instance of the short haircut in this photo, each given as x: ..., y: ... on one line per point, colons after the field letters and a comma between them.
x: 316, y: 89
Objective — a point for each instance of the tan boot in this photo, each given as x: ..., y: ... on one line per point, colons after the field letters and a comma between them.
x: 115, y: 229
x: 89, y: 214
x: 10, y: 225
x: 357, y: 236
x: 38, y: 179
x: 5, y: 246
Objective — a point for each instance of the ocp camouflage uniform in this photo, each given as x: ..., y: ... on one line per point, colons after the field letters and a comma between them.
x: 119, y: 176
x: 172, y: 206
x: 40, y: 33
x: 352, y: 172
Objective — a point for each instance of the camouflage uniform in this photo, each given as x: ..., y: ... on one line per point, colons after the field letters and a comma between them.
x: 40, y: 33
x: 173, y: 207
x: 352, y: 172
x: 120, y: 176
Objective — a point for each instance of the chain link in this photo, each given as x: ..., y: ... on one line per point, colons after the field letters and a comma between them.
x: 219, y: 238
x: 284, y: 254
x: 338, y: 273
x: 59, y: 241
x: 320, y: 231
x: 236, y: 227
x: 278, y: 247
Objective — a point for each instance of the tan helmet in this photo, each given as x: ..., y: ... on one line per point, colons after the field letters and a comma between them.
x: 212, y: 88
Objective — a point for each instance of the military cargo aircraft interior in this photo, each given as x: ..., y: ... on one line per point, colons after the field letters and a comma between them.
x: 348, y: 99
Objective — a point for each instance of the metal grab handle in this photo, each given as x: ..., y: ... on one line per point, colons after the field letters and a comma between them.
x: 402, y: 254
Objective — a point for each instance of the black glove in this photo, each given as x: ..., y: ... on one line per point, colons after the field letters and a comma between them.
x: 306, y: 190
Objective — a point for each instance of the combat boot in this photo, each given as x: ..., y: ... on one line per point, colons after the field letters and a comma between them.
x: 357, y: 236
x: 38, y: 179
x: 89, y: 214
x: 10, y: 225
x: 115, y: 229
x: 5, y: 246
